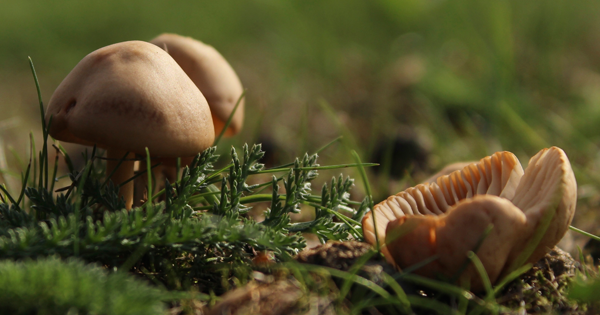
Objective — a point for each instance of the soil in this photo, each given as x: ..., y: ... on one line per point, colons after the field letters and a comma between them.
x: 541, y: 290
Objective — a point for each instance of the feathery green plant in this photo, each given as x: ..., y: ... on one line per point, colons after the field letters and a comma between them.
x: 52, y: 286
x: 198, y: 235
x: 183, y: 240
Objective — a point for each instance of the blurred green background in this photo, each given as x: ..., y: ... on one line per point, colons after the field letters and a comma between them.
x: 412, y: 84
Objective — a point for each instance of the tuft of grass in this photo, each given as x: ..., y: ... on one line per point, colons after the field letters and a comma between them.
x: 52, y: 286
x: 195, y: 233
x: 586, y: 290
x: 191, y: 240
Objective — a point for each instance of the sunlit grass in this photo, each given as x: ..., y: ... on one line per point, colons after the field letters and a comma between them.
x: 486, y: 76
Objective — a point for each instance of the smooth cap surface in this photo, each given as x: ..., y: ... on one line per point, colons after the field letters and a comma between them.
x: 212, y: 74
x: 547, y: 194
x: 129, y: 96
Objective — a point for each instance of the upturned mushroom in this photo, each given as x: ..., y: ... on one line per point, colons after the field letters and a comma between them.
x: 447, y: 218
x: 126, y: 97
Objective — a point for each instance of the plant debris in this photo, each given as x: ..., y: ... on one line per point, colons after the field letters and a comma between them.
x: 543, y: 288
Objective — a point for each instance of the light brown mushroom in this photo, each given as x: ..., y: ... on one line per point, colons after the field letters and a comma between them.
x: 212, y: 74
x: 447, y: 218
x: 126, y: 97
x: 219, y: 84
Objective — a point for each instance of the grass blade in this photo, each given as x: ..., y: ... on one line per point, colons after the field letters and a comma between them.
x: 44, y: 158
x: 239, y: 101
x: 149, y: 176
x: 24, y: 185
x: 78, y: 203
x: 464, y: 266
x: 109, y: 176
x: 330, y: 143
x: 347, y: 284
x: 327, y: 167
x: 431, y: 304
x: 8, y: 195
x: 55, y: 169
x: 537, y: 236
x: 510, y: 277
x: 582, y: 232
x: 400, y: 294
x: 66, y: 156
x: 485, y: 279
x: 354, y: 278
x: 365, y: 180
x: 438, y: 285
x: 420, y: 264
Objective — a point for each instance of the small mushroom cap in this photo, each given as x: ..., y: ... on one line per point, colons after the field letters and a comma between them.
x: 212, y: 74
x: 130, y: 96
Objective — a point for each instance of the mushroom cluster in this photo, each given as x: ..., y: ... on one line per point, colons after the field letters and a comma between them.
x: 528, y: 212
x: 217, y: 81
x: 133, y: 95
x: 212, y: 74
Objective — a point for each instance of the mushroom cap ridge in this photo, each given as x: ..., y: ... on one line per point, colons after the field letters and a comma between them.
x: 212, y: 74
x: 548, y: 189
x: 129, y: 96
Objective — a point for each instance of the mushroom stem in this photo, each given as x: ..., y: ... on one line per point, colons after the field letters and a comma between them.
x: 122, y: 174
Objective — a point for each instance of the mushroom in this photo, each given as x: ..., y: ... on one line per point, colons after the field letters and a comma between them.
x: 217, y: 81
x: 127, y: 97
x: 212, y: 75
x: 447, y: 218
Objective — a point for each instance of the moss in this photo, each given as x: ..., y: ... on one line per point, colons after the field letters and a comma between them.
x: 543, y: 288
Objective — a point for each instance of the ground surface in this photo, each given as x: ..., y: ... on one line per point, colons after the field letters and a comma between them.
x: 541, y: 290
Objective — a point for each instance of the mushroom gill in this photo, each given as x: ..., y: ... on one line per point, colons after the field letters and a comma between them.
x: 498, y: 175
x: 448, y: 217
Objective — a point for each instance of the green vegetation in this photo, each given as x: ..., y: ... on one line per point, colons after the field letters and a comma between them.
x: 186, y: 241
x: 89, y: 220
x: 52, y: 286
x: 466, y: 78
x: 192, y: 241
x: 469, y: 78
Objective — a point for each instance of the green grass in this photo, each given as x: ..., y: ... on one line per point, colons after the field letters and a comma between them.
x: 214, y: 239
x: 474, y: 77
x: 52, y: 286
x: 468, y: 77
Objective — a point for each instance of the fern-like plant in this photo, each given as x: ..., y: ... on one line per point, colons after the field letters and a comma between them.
x: 198, y: 235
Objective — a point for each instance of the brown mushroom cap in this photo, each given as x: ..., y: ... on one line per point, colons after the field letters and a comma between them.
x: 130, y: 96
x: 447, y: 217
x: 548, y: 190
x: 212, y: 74
x: 126, y: 97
